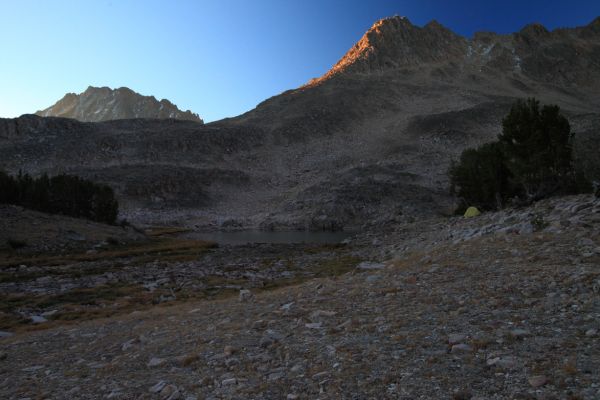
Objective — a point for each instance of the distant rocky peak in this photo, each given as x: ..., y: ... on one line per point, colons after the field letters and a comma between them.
x: 565, y: 56
x: 593, y: 27
x: 103, y: 103
x: 535, y: 29
x: 395, y: 42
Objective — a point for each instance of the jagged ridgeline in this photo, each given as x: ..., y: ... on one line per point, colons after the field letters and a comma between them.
x: 61, y: 194
x: 105, y: 104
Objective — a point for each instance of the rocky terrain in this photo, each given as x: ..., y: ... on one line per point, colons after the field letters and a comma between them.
x: 31, y: 232
x: 105, y: 104
x: 370, y: 140
x: 501, y: 306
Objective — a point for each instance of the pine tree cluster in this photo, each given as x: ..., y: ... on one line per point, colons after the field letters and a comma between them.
x: 62, y: 194
x: 531, y: 160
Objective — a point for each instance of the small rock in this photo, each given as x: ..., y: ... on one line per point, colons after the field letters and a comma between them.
x: 591, y: 332
x: 316, y: 315
x: 33, y: 368
x: 367, y: 265
x: 275, y: 376
x: 246, y: 295
x: 269, y: 338
x: 537, y: 381
x: 519, y: 333
x: 4, y: 334
x: 506, y: 363
x: 461, y: 348
x: 49, y: 313
x: 115, y: 394
x: 229, y: 350
x: 297, y: 368
x: 320, y: 375
x: 170, y: 392
x: 128, y: 344
x: 38, y: 319
x: 313, y: 325
x: 266, y: 341
x: 456, y: 338
x: 158, y: 387
x: 291, y: 396
x: 229, y: 382
x: 75, y: 236
x: 156, y: 362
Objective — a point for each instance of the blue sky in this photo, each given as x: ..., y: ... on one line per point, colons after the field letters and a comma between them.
x: 218, y: 58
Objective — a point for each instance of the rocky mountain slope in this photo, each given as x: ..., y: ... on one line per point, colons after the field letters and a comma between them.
x: 368, y: 142
x: 501, y: 306
x: 105, y: 104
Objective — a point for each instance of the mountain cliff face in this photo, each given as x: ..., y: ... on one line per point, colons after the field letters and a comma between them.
x: 368, y: 142
x: 104, y: 104
x: 563, y: 56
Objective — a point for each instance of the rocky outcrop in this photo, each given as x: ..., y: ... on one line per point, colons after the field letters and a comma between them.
x: 104, y: 104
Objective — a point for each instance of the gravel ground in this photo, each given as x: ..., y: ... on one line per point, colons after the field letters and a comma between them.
x: 462, y: 309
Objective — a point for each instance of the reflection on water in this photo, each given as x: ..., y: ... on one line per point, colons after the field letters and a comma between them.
x: 245, y: 237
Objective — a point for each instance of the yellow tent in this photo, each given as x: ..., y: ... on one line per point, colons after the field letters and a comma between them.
x: 472, y: 212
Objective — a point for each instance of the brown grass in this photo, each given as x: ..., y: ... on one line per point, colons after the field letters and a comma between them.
x: 170, y: 247
x: 114, y: 299
x: 165, y: 230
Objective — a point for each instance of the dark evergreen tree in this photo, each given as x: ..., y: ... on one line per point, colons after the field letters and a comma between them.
x: 481, y: 178
x: 531, y: 160
x: 538, y: 148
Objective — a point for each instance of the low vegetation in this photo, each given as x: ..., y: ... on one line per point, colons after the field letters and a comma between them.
x: 531, y: 160
x: 62, y: 194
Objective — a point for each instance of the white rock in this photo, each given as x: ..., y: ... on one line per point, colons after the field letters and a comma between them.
x: 49, y: 313
x: 156, y: 362
x: 537, y: 381
x: 456, y: 338
x: 158, y: 387
x: 170, y: 392
x: 368, y: 265
x: 519, y: 333
x: 461, y: 348
x: 313, y: 325
x: 246, y: 295
x: 229, y: 382
x: 321, y: 313
x: 38, y: 319
x: 507, y: 362
x: 128, y: 344
x: 591, y: 332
